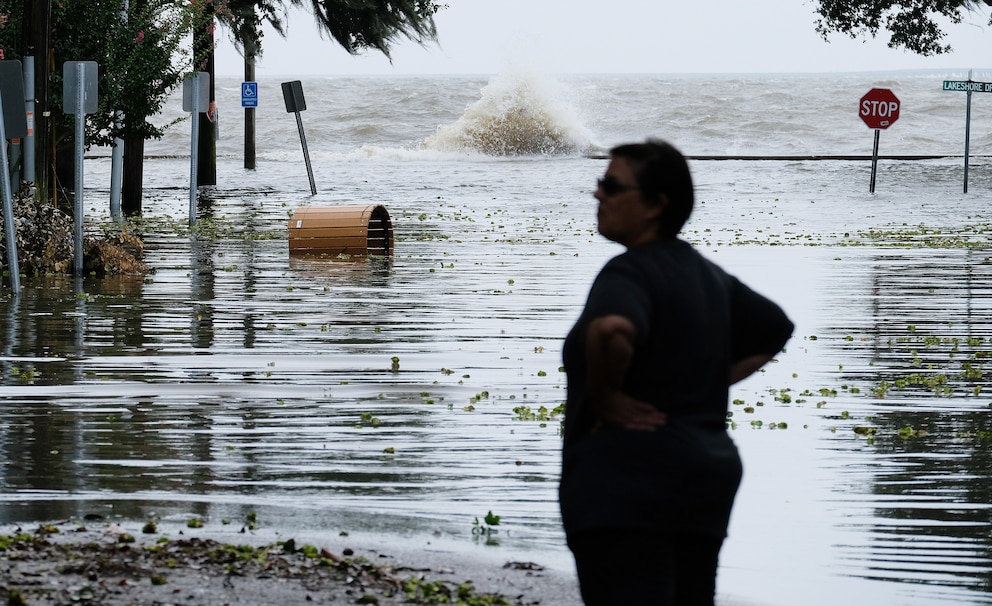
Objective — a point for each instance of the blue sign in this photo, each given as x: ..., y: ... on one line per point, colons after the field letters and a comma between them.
x: 249, y: 94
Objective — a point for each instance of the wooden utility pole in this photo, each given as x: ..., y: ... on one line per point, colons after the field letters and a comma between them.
x: 37, y: 35
x: 133, y: 177
x: 203, y: 52
x: 249, y: 114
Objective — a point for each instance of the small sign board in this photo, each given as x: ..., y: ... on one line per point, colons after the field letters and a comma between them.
x: 15, y: 121
x: 249, y: 94
x: 71, y: 84
x: 967, y: 86
x: 196, y: 85
x: 292, y: 94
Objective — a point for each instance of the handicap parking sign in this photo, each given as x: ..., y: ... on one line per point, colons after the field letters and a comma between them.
x: 249, y: 94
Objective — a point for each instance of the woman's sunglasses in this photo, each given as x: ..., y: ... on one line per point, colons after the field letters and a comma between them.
x: 611, y: 186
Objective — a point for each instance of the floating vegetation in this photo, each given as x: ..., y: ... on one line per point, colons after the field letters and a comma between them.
x: 487, y: 527
x: 910, y: 432
x: 525, y: 413
x: 366, y: 418
x: 965, y: 236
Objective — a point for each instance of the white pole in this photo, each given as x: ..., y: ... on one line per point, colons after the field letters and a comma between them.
x: 117, y: 156
x: 193, y: 148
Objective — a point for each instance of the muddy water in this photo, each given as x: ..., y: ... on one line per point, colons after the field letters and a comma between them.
x: 403, y: 397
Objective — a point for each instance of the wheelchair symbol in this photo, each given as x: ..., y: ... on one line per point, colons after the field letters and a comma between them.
x: 249, y: 94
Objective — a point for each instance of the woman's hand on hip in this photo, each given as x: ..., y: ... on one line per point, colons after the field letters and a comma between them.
x: 620, y: 410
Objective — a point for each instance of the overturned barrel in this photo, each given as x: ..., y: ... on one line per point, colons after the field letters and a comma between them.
x: 349, y: 229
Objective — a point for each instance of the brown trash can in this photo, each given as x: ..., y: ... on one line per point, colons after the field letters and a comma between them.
x: 349, y: 229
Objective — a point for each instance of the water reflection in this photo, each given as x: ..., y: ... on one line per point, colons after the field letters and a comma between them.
x: 232, y: 376
x: 923, y: 432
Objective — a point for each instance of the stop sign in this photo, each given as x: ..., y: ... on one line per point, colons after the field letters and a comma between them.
x: 879, y: 108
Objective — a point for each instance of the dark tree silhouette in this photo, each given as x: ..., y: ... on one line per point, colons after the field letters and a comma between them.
x: 911, y: 24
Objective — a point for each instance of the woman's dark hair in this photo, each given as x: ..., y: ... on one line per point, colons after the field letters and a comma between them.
x: 661, y: 169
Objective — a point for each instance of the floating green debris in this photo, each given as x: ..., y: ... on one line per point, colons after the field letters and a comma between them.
x: 910, y: 432
x: 881, y: 389
x: 368, y: 419
x: 524, y: 413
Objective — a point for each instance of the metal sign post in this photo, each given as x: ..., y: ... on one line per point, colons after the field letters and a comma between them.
x: 878, y: 109
x: 8, y: 216
x: 874, y: 162
x: 292, y: 93
x: 969, y: 86
x: 196, y: 100
x: 12, y: 126
x: 79, y: 97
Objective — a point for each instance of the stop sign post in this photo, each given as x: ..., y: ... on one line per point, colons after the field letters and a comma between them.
x: 879, y: 109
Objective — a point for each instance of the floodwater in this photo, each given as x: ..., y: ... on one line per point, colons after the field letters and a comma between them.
x: 406, y: 397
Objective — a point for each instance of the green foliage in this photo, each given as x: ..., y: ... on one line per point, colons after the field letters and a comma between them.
x: 486, y: 528
x: 423, y: 591
x: 14, y: 598
x: 143, y: 53
x: 374, y: 24
x: 141, y: 57
x: 912, y: 24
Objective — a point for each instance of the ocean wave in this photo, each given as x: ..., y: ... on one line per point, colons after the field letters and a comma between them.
x: 517, y: 114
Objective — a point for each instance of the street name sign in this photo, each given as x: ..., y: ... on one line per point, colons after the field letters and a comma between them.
x: 967, y: 86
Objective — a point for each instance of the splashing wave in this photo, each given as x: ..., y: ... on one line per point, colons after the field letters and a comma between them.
x: 518, y: 114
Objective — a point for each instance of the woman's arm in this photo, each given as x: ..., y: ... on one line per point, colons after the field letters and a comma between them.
x: 743, y: 369
x: 609, y: 350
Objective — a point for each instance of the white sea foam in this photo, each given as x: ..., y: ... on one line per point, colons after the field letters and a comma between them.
x: 520, y: 113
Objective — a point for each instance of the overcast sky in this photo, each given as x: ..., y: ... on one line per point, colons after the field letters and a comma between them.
x: 619, y: 36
